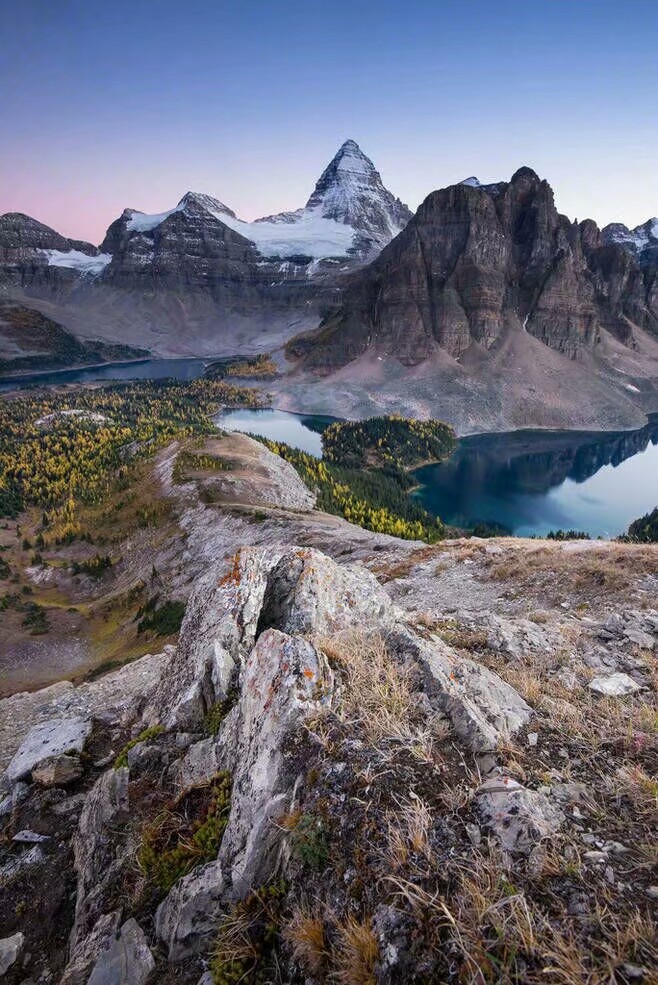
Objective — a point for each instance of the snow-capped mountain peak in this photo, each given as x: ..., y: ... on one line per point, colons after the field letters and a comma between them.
x: 349, y: 214
x: 642, y: 241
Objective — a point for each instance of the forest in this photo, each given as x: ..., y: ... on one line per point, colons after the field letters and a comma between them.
x: 61, y: 447
x: 376, y: 498
x: 387, y: 441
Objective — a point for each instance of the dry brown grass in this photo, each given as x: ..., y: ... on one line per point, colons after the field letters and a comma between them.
x: 408, y: 835
x: 305, y: 934
x: 355, y: 954
x: 377, y: 696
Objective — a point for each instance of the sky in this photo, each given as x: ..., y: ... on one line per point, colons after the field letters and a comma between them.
x: 131, y: 103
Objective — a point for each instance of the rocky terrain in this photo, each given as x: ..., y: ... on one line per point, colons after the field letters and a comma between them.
x: 365, y: 761
x: 490, y: 299
x: 195, y: 279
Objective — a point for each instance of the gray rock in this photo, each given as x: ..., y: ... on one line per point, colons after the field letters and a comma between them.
x: 483, y: 709
x: 26, y: 837
x: 127, y: 961
x: 87, y: 951
x: 58, y: 771
x: 518, y: 817
x: 285, y: 680
x: 613, y: 685
x: 50, y: 738
x: 10, y: 949
x: 94, y: 844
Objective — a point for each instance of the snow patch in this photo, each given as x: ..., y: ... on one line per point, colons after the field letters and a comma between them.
x: 139, y: 222
x: 76, y: 260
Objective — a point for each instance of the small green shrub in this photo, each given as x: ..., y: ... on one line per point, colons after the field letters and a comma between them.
x: 247, y: 938
x: 172, y: 845
x: 164, y: 621
x: 148, y: 733
x: 309, y: 842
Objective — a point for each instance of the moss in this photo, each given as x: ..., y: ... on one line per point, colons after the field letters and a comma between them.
x: 247, y: 938
x: 309, y: 842
x: 218, y: 712
x: 171, y: 846
x: 144, y: 736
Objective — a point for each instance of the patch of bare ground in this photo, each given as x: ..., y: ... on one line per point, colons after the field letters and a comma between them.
x: 391, y: 866
x: 580, y: 571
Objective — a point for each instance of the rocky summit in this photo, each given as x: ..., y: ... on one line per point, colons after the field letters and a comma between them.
x: 365, y: 760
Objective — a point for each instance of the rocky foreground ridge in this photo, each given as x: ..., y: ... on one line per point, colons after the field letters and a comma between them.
x: 430, y: 764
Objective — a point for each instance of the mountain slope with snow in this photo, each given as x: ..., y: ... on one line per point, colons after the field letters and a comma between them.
x: 349, y: 214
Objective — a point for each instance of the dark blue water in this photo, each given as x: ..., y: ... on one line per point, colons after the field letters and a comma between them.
x: 532, y: 482
x: 144, y: 369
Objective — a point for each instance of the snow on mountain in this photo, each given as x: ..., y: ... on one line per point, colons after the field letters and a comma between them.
x: 76, y: 260
x: 634, y: 240
x: 349, y: 213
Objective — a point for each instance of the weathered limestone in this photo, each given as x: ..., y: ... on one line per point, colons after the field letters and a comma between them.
x: 50, y: 738
x: 94, y: 846
x: 58, y: 771
x: 286, y: 679
x: 128, y: 959
x: 613, y: 685
x: 518, y: 817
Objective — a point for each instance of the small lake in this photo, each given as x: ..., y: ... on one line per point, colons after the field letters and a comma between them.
x: 302, y: 431
x: 142, y: 369
x: 530, y: 482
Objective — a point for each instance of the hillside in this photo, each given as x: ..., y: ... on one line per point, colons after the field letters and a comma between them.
x: 366, y: 760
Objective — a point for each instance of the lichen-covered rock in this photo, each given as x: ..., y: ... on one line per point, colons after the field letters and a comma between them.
x: 127, y: 961
x: 518, y: 817
x: 51, y: 738
x: 307, y: 592
x: 482, y: 707
x: 94, y: 847
x: 285, y: 680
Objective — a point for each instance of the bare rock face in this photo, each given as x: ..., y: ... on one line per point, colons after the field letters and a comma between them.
x: 127, y: 959
x: 476, y: 261
x: 51, y: 738
x: 105, y: 810
x: 285, y: 680
x: 58, y: 771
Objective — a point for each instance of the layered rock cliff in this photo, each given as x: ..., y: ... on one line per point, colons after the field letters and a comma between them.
x: 476, y: 262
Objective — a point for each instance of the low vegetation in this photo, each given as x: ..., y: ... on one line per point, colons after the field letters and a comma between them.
x: 186, y: 833
x: 377, y: 499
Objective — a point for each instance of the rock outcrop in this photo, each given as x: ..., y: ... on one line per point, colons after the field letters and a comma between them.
x: 477, y: 261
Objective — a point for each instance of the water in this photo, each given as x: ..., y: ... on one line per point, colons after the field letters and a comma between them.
x: 143, y: 369
x: 299, y: 430
x: 532, y: 482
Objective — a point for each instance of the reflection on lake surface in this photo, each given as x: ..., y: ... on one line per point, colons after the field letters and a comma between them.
x: 144, y: 369
x: 536, y: 481
x: 302, y: 431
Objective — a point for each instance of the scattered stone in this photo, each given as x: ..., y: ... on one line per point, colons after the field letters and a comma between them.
x: 50, y: 738
x: 652, y: 892
x: 29, y: 837
x: 127, y: 961
x: 58, y: 771
x: 613, y: 685
x: 520, y: 818
x: 10, y: 950
x: 533, y: 738
x: 596, y: 858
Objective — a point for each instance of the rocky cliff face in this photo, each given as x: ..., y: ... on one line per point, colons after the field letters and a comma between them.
x: 34, y: 254
x: 477, y: 261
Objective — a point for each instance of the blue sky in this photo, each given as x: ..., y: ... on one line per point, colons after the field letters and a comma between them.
x: 108, y: 105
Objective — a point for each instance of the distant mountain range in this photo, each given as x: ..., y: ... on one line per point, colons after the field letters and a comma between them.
x: 486, y: 305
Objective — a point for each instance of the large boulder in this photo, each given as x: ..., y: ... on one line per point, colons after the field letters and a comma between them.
x: 51, y: 738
